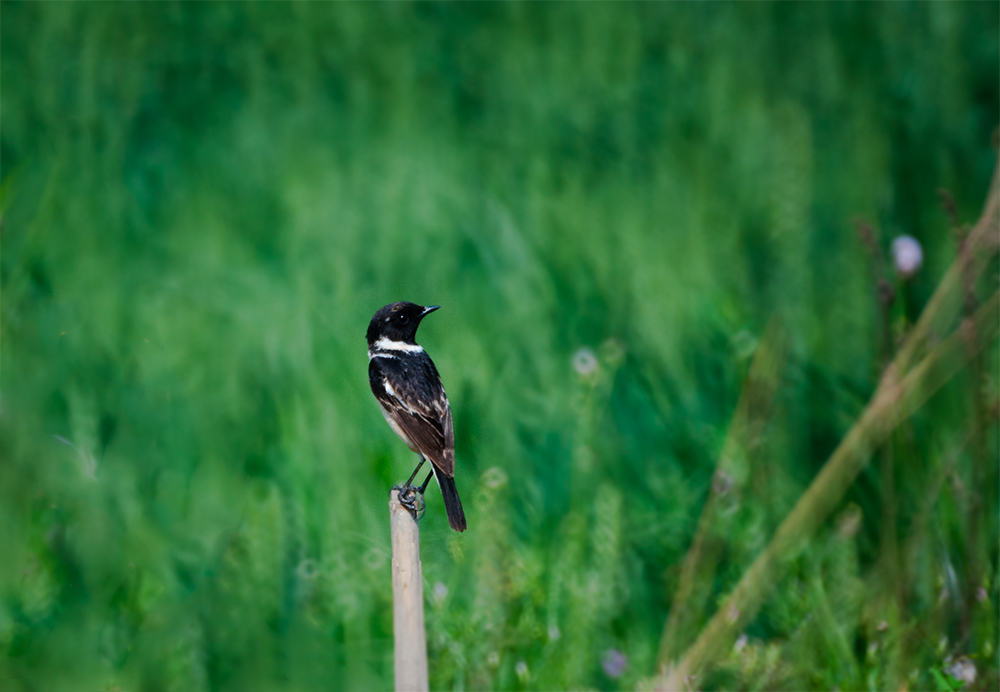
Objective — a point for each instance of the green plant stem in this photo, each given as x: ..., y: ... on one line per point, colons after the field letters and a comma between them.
x: 941, y: 310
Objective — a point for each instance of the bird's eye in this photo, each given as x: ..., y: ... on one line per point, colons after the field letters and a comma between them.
x: 404, y: 319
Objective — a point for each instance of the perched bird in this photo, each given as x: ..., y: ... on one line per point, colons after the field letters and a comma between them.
x: 409, y: 392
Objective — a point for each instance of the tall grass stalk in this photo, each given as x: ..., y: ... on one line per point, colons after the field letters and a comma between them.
x: 901, y: 391
x: 730, y: 477
x: 893, y: 401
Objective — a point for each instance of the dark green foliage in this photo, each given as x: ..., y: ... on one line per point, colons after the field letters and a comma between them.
x: 203, y: 205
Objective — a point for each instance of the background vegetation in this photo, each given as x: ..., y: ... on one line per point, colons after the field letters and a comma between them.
x: 203, y: 205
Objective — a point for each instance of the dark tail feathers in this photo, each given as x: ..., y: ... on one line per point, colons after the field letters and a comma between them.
x: 452, y: 505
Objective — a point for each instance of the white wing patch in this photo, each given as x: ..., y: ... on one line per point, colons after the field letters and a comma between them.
x: 392, y: 392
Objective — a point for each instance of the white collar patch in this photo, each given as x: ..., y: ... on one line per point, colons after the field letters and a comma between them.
x: 384, y: 344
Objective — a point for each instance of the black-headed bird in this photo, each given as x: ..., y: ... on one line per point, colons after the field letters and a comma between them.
x: 413, y: 401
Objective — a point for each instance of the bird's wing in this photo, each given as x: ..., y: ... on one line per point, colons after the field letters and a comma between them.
x: 419, y: 406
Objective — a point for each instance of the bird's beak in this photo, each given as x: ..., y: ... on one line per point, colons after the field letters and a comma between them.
x: 429, y: 309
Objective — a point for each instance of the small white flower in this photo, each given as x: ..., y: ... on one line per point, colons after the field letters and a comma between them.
x: 849, y: 521
x: 307, y: 569
x: 584, y: 362
x: 440, y: 592
x: 374, y: 558
x: 522, y: 670
x: 722, y: 482
x: 494, y: 478
x: 907, y: 255
x: 614, y: 663
x: 963, y: 669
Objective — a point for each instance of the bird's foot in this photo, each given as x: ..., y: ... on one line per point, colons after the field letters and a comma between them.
x: 412, y: 497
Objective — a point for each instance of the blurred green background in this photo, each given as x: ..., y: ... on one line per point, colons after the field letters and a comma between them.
x: 204, y: 204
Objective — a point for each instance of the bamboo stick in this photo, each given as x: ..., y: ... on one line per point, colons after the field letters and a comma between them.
x: 409, y: 634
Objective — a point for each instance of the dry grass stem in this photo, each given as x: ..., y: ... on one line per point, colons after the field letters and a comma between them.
x: 902, y: 390
x: 732, y: 470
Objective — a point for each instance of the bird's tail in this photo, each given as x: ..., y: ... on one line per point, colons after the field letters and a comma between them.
x: 452, y: 505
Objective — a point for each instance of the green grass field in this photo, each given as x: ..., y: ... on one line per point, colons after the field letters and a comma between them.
x: 204, y: 204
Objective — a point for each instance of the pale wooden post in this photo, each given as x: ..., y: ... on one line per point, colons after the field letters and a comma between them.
x: 407, y: 600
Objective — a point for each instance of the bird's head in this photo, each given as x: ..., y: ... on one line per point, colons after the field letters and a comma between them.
x: 398, y: 322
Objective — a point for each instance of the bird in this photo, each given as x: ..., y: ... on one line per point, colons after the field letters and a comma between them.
x: 409, y: 392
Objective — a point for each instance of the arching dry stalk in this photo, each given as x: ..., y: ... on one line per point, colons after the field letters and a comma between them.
x: 903, y: 389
